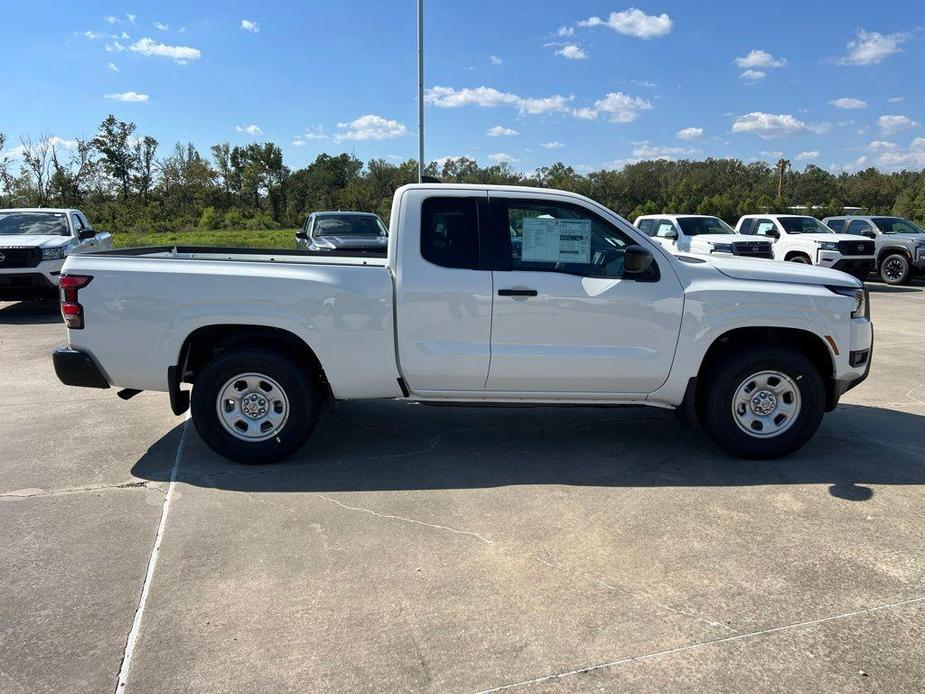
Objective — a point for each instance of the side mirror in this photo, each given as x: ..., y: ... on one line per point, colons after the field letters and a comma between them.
x: 637, y: 261
x: 301, y: 234
x: 870, y: 233
x: 85, y: 234
x: 672, y: 235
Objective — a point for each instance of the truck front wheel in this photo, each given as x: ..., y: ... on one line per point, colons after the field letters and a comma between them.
x: 896, y: 269
x: 254, y: 405
x: 763, y: 403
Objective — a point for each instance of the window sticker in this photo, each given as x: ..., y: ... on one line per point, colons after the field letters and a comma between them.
x: 548, y: 240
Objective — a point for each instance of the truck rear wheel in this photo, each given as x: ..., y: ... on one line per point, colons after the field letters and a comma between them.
x: 896, y: 269
x: 255, y: 406
x: 763, y: 403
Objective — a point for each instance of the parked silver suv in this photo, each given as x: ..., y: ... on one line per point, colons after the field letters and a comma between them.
x: 900, y: 244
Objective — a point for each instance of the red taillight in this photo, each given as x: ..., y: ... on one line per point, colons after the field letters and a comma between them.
x: 71, y: 311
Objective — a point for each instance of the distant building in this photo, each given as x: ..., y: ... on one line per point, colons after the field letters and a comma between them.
x: 845, y: 209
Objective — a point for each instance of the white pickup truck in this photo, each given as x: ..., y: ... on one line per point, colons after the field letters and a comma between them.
x: 487, y: 295
x: 33, y: 245
x: 702, y: 234
x: 801, y: 239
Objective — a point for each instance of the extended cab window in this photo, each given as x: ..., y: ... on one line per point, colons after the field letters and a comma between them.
x: 558, y: 237
x: 836, y: 224
x: 450, y: 232
x: 647, y: 226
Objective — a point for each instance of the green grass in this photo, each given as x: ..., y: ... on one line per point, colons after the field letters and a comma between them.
x: 277, y: 238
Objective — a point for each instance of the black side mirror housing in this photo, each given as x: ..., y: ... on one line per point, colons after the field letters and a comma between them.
x: 639, y: 264
x: 301, y: 234
x: 871, y: 234
x: 673, y: 235
x: 85, y: 234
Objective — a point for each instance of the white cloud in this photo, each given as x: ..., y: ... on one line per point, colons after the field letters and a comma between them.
x: 442, y: 161
x: 848, y: 103
x: 644, y: 150
x: 370, y: 127
x: 572, y: 52
x: 911, y: 158
x: 150, y: 47
x: 890, y: 125
x: 565, y: 31
x: 93, y: 35
x: 760, y: 59
x: 753, y: 75
x: 130, y: 18
x: 871, y: 47
x: 807, y: 156
x: 621, y: 107
x: 487, y: 97
x: 585, y: 113
x: 502, y: 158
x: 252, y: 129
x: 896, y: 99
x: 772, y: 154
x: 129, y: 97
x: 501, y: 131
x: 769, y: 125
x: 316, y: 132
x: 495, y: 60
x: 113, y: 67
x: 882, y: 146
x: 114, y: 47
x: 552, y: 145
x: 161, y: 26
x: 633, y: 22
x: 250, y: 25
x: 690, y: 133
x: 644, y: 83
x: 110, y: 19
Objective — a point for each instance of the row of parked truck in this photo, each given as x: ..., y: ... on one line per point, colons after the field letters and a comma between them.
x: 892, y: 247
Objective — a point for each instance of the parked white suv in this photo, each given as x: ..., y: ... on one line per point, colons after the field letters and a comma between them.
x: 802, y: 239
x: 900, y: 244
x: 697, y: 233
x: 33, y: 245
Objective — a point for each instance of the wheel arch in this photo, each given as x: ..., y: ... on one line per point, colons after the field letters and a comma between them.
x: 793, y: 254
x: 206, y: 342
x: 885, y: 253
x: 733, y: 341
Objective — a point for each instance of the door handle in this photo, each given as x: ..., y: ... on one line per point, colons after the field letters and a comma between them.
x: 517, y: 292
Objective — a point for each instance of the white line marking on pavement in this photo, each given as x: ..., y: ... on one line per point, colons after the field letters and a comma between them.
x: 152, y: 562
x: 701, y: 644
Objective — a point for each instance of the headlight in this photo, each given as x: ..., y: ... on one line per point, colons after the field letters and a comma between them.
x: 920, y: 252
x: 828, y: 245
x: 54, y: 253
x: 861, y: 307
x: 722, y: 248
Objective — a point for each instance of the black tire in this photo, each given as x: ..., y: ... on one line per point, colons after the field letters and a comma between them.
x: 802, y: 259
x: 896, y: 269
x: 302, y: 395
x: 715, y: 406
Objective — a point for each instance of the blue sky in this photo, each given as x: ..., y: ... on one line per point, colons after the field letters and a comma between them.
x: 594, y: 84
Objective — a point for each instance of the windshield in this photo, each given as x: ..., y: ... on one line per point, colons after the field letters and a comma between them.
x: 349, y: 225
x: 693, y: 226
x: 897, y: 225
x: 33, y: 223
x: 803, y: 225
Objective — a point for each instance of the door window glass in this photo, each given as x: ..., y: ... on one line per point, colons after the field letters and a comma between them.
x: 450, y: 232
x: 858, y: 227
x: 765, y: 227
x: 664, y: 229
x: 78, y: 225
x: 558, y: 237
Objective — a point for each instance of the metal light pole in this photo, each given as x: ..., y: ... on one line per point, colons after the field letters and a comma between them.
x: 420, y: 91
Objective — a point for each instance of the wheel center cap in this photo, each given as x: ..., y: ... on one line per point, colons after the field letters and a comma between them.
x: 255, y: 405
x: 764, y: 402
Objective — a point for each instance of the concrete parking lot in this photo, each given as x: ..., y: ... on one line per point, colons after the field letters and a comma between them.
x: 433, y: 549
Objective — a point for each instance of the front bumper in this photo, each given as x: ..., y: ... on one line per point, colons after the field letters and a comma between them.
x: 28, y: 284
x: 76, y: 368
x: 859, y: 360
x: 918, y: 262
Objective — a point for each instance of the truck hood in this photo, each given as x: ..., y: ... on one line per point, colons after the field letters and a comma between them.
x: 778, y: 271
x: 828, y: 237
x: 32, y: 241
x: 331, y: 242
x: 726, y: 238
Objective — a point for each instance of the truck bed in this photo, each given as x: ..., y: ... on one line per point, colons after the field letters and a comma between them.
x: 143, y: 304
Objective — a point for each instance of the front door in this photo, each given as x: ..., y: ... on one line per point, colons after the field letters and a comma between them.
x: 565, y: 320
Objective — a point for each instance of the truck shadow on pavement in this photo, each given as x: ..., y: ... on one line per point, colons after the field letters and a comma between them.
x: 30, y: 313
x: 376, y: 446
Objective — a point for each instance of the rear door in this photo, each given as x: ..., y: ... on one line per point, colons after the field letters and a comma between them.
x: 565, y: 320
x: 443, y: 290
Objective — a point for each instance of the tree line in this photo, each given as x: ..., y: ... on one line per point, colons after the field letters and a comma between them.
x: 126, y: 182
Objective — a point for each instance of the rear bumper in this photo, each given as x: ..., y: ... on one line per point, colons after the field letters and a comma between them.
x: 27, y: 285
x: 76, y: 368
